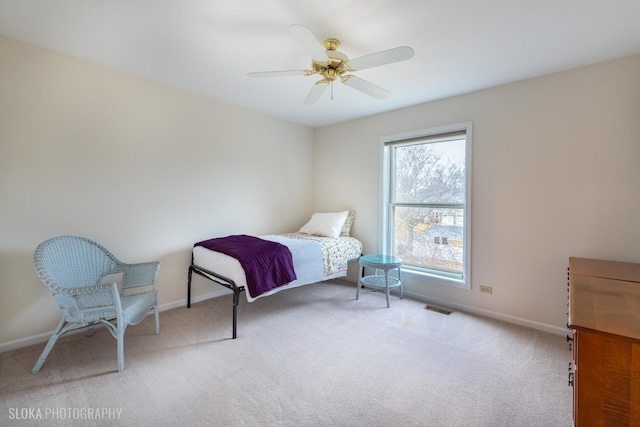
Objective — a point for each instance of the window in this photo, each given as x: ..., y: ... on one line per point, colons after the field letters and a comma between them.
x: 426, y: 202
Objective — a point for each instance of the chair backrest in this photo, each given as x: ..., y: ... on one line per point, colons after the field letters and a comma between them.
x: 72, y: 261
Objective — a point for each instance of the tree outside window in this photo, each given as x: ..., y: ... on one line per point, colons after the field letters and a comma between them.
x: 426, y: 202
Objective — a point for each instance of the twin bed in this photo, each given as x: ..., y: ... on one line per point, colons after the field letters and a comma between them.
x: 265, y: 265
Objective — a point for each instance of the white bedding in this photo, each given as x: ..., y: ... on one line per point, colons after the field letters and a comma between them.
x: 308, y: 263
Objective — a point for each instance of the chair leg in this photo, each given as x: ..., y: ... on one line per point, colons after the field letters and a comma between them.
x: 120, y: 339
x: 157, y: 315
x: 48, y: 347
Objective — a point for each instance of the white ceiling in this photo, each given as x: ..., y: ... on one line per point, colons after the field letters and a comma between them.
x: 208, y: 46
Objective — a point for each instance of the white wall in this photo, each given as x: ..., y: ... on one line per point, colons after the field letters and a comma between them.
x: 145, y: 169
x: 556, y: 173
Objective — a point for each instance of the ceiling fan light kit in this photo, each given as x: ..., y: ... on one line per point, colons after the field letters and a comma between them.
x: 331, y: 64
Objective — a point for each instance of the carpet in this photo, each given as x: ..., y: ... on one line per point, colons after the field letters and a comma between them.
x: 309, y: 356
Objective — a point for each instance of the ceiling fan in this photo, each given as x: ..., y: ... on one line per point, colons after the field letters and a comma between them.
x: 332, y: 64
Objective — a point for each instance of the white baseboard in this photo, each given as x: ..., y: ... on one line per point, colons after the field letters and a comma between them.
x: 183, y: 302
x: 481, y: 312
x: 44, y: 337
x: 25, y: 342
x: 41, y: 338
x: 491, y: 314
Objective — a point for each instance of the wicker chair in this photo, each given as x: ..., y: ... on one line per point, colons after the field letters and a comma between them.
x: 72, y: 268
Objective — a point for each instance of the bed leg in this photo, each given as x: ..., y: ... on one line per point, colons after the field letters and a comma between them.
x: 189, y: 287
x: 236, y: 300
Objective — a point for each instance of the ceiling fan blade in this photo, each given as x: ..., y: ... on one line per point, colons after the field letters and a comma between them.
x: 316, y: 91
x: 309, y: 42
x: 278, y: 73
x: 365, y: 87
x: 381, y: 58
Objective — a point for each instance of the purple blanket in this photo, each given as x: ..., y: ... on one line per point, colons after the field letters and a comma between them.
x: 266, y: 264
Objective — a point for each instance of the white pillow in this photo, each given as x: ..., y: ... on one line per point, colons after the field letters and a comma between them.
x: 325, y: 224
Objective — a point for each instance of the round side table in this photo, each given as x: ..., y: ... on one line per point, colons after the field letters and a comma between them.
x: 379, y: 281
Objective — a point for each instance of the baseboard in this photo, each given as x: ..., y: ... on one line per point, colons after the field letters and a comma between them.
x: 25, y: 342
x: 44, y: 337
x: 481, y: 312
x: 491, y: 314
x: 41, y: 338
x: 183, y: 302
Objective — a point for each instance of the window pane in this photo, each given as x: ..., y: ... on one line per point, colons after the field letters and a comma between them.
x: 429, y: 237
x: 430, y: 173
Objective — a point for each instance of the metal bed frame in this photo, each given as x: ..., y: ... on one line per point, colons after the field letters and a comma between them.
x: 227, y: 283
x: 221, y: 280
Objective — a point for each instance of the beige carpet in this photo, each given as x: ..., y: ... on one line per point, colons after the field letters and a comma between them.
x: 311, y: 356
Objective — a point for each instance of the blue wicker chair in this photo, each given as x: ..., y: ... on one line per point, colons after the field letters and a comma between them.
x: 73, y: 267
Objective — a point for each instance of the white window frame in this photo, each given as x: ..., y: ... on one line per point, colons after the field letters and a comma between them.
x: 385, y: 224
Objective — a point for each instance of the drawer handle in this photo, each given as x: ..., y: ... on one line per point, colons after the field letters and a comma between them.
x: 570, y: 375
x: 570, y: 341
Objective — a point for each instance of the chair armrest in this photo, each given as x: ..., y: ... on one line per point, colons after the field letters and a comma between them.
x: 103, y: 296
x: 140, y: 274
x: 73, y: 292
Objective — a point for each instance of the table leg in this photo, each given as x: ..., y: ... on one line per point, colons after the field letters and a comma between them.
x: 386, y: 279
x: 360, y: 274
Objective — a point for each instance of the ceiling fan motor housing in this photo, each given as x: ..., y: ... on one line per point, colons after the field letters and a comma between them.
x: 336, y: 66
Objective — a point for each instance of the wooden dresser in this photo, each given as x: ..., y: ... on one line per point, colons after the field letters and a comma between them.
x: 604, y: 316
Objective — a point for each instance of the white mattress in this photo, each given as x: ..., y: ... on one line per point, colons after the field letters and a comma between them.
x: 307, y: 257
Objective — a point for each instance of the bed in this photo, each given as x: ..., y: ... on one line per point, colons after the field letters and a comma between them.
x: 261, y: 266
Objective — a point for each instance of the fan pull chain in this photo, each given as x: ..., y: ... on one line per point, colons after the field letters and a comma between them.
x: 332, y: 91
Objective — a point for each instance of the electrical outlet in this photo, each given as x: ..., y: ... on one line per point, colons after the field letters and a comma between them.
x: 486, y: 289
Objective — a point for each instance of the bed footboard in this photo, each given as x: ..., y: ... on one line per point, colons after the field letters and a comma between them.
x: 221, y: 280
